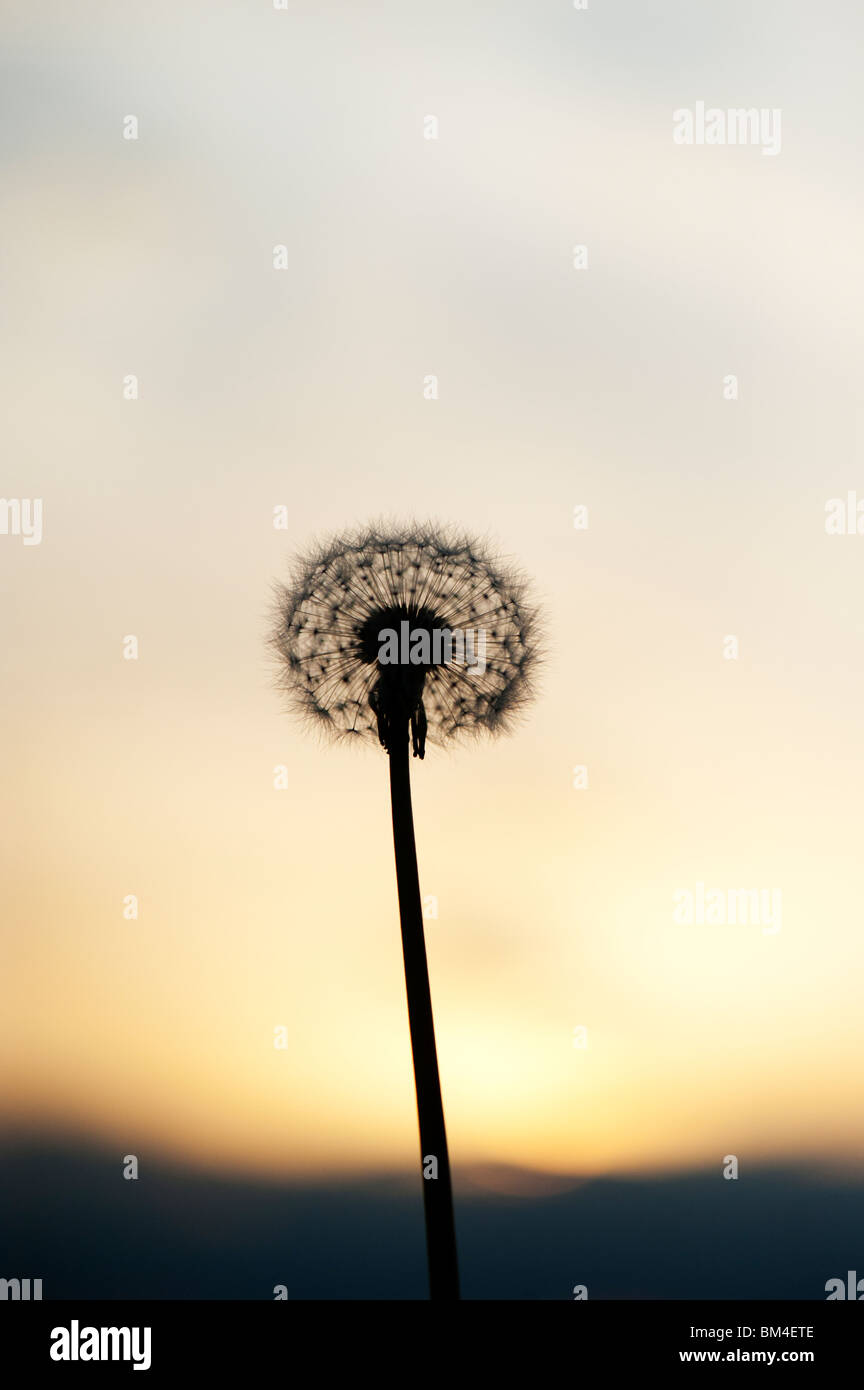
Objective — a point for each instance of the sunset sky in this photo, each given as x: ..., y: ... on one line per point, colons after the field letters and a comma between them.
x: 303, y: 387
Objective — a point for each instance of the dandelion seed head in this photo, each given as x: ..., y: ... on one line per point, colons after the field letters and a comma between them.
x: 327, y: 623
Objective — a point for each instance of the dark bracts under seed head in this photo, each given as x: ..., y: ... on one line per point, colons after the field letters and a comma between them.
x: 327, y: 623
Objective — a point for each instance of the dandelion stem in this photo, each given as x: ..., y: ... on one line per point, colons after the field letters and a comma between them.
x: 437, y: 1191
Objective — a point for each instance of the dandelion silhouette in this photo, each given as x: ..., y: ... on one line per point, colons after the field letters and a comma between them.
x: 331, y: 633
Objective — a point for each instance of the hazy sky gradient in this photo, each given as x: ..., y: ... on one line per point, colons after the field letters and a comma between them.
x: 304, y: 387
